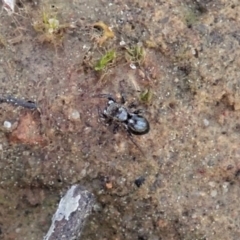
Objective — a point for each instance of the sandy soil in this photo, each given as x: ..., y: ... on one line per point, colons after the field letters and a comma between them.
x: 181, y: 180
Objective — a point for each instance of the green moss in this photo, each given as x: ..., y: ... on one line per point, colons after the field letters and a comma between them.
x: 193, y: 11
x: 105, y: 60
x: 135, y: 54
x: 48, y: 25
x: 146, y: 96
x: 190, y: 17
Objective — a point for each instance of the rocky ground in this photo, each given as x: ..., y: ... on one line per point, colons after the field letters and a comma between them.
x: 178, y: 61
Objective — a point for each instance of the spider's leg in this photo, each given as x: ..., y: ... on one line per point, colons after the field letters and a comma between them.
x: 103, y: 95
x: 115, y: 128
x: 132, y: 105
x: 130, y: 135
x: 100, y: 113
x: 103, y: 117
x: 123, y: 98
x: 123, y: 95
x: 138, y: 111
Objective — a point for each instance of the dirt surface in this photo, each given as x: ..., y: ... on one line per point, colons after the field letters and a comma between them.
x: 181, y: 180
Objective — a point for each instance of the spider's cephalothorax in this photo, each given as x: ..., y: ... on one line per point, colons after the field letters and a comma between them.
x: 133, y: 121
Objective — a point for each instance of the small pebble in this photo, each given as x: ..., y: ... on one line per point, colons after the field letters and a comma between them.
x: 74, y: 114
x: 122, y: 43
x: 18, y: 230
x: 7, y: 124
x: 109, y: 185
x: 214, y: 193
x: 212, y: 184
x: 205, y: 122
x: 193, y: 51
x: 132, y: 66
x: 225, y: 187
x: 139, y: 181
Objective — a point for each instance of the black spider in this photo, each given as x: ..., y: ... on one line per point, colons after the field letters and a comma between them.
x: 133, y: 121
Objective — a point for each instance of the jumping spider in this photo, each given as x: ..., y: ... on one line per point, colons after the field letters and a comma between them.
x: 118, y: 114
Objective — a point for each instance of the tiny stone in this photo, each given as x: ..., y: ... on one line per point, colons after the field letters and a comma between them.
x: 212, y: 184
x: 205, y: 122
x: 225, y: 187
x: 193, y: 51
x: 122, y: 43
x: 7, y: 124
x: 97, y: 207
x: 83, y: 173
x: 139, y: 181
x: 75, y: 114
x: 194, y: 216
x: 18, y: 230
x: 109, y: 185
x: 132, y: 66
x: 214, y: 193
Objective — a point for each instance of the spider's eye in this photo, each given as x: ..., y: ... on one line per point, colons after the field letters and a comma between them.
x: 110, y: 102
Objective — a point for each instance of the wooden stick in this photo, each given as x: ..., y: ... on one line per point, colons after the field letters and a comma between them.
x: 69, y: 219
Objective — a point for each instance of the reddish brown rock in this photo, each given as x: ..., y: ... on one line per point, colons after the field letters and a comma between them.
x: 28, y: 130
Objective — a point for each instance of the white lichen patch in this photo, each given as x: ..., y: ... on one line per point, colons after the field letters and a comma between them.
x: 68, y: 204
